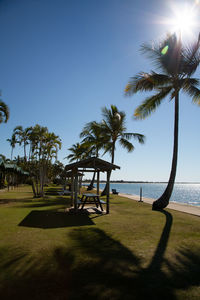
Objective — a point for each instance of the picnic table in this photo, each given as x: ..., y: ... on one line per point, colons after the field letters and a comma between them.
x: 91, y: 199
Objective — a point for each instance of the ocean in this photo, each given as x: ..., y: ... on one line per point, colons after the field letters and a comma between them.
x: 185, y: 193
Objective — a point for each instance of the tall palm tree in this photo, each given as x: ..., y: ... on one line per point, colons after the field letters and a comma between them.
x: 114, y: 129
x: 37, y: 140
x: 12, y: 142
x: 177, y: 64
x: 22, y: 137
x: 4, y: 112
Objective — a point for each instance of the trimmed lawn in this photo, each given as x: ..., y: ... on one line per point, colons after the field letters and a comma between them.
x: 132, y: 253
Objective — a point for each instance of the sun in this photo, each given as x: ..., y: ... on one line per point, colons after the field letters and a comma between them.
x: 184, y: 20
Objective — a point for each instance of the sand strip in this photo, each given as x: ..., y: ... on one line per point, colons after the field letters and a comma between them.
x: 189, y: 209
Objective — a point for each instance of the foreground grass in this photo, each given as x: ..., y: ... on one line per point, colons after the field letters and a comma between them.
x: 132, y: 253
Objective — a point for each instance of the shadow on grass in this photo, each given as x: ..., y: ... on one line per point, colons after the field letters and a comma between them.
x: 95, y: 266
x: 44, y: 202
x: 54, y: 219
x: 28, y: 202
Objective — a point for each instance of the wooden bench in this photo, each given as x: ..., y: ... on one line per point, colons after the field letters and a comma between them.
x: 79, y: 202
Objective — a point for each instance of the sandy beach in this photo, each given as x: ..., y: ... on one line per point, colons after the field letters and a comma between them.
x: 189, y: 209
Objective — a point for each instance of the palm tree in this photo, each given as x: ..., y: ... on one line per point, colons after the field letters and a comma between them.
x: 49, y: 148
x: 12, y: 142
x: 78, y: 152
x: 53, y: 144
x: 178, y: 64
x: 114, y: 129
x: 22, y: 137
x: 93, y: 137
x: 94, y: 140
x: 44, y: 146
x: 4, y: 112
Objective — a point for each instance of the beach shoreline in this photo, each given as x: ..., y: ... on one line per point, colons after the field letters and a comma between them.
x: 186, y: 208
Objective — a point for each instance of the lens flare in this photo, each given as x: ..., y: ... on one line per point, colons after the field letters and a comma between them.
x: 164, y: 50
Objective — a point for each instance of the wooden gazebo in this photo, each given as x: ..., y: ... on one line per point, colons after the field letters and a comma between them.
x: 92, y: 164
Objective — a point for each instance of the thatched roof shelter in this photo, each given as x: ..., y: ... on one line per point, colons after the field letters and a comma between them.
x: 92, y: 164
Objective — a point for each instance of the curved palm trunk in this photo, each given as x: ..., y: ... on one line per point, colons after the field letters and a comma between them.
x: 91, y: 185
x: 163, y: 201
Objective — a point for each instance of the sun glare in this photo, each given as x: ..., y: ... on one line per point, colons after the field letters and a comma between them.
x: 184, y: 19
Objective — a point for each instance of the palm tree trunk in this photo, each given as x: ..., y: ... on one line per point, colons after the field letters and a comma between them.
x: 33, y: 188
x: 25, y: 152
x: 11, y: 153
x: 105, y: 191
x: 163, y: 201
x: 91, y: 185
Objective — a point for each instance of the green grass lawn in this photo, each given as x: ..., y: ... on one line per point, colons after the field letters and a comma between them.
x: 132, y: 253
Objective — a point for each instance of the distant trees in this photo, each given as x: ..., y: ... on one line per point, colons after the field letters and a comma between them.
x: 43, y: 149
x: 178, y: 64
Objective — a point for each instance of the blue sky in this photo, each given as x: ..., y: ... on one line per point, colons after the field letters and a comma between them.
x: 61, y: 61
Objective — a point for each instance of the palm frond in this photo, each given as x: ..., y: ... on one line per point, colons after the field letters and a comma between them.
x: 137, y: 136
x: 147, y: 82
x: 194, y: 93
x: 166, y: 54
x: 5, y: 111
x: 151, y: 103
x: 126, y: 144
x: 191, y: 58
x: 89, y: 128
x: 152, y: 52
x: 186, y: 82
x: 108, y: 148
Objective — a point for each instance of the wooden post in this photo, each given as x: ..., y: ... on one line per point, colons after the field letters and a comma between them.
x: 108, y: 193
x: 75, y: 190
x: 72, y: 188
x: 141, y: 195
x: 98, y: 181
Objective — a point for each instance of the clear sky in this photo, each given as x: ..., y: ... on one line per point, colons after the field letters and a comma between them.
x: 61, y: 61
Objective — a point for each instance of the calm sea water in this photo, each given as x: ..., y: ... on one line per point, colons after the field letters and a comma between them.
x: 186, y: 193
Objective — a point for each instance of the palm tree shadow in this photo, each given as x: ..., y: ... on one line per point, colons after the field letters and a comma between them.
x: 155, y: 279
x: 118, y: 271
x: 93, y: 265
x: 158, y: 257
